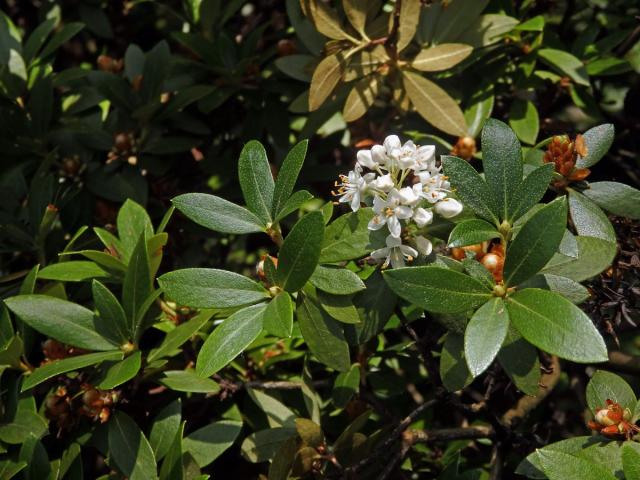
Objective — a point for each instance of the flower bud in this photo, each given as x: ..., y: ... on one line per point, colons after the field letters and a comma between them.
x: 448, y: 208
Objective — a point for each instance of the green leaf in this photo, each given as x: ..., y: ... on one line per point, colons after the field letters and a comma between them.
x: 211, y: 441
x: 261, y: 446
x: 300, y: 252
x: 566, y: 64
x: 137, y: 284
x: 133, y: 221
x: 58, y: 367
x: 339, y: 307
x: 179, y: 335
x: 287, y: 177
x: 129, y: 449
x: 346, y: 386
x: 65, y: 321
x: 278, y: 414
x: 441, y: 57
x: 530, y: 191
x: 437, y: 289
x: 256, y: 181
x: 25, y: 425
x: 165, y: 426
x: 479, y: 272
x: 434, y: 104
x: 519, y: 359
x: 561, y: 466
x: 407, y: 23
x: 323, y: 335
x: 453, y: 368
x: 230, y: 339
x: 588, y: 219
x: 111, y: 312
x: 617, y: 198
x: 598, y: 141
x: 471, y: 232
x: 211, y: 288
x: 297, y: 66
x: 188, y: 381
x: 470, y: 187
x: 278, y: 316
x: 484, y: 335
x: 605, y: 386
x: 479, y: 108
x: 594, y: 256
x: 524, y: 119
x: 172, y: 465
x: 537, y: 241
x: 502, y: 162
x: 66, y: 33
x: 294, y: 202
x: 555, y: 325
x: 325, y: 78
x: 631, y: 460
x: 37, y: 38
x: 336, y: 280
x: 72, y: 271
x: 348, y: 237
x: 570, y: 289
x: 217, y: 214
x: 121, y: 372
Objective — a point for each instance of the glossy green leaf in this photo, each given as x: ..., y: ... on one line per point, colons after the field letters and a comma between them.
x: 588, y: 219
x: 121, y: 372
x: 261, y: 446
x: 278, y: 316
x: 530, y: 191
x: 471, y: 232
x: 164, y: 428
x: 437, y: 289
x: 295, y: 201
x: 211, y: 288
x: 348, y: 237
x: 617, y: 198
x: 133, y: 221
x: 519, y: 359
x: 524, y: 119
x: 441, y: 57
x: 479, y: 108
x: 555, y: 325
x: 172, y: 465
x: 72, y: 271
x: 300, y: 252
x: 65, y: 321
x: 217, y: 214
x: 129, y: 449
x: 179, y: 335
x: 594, y: 256
x: 137, y: 285
x: 479, y: 272
x: 598, y: 141
x: 27, y: 424
x: 565, y: 64
x: 537, y: 241
x: 470, y: 187
x: 58, y: 367
x: 323, y: 335
x: 287, y: 177
x: 229, y: 339
x: 209, y: 442
x: 188, y: 381
x: 484, y: 335
x: 631, y: 460
x: 570, y: 289
x: 453, y: 367
x: 277, y: 413
x: 336, y: 280
x: 605, y: 386
x: 256, y: 181
x: 502, y: 162
x: 346, y: 386
x: 561, y: 466
x: 111, y: 312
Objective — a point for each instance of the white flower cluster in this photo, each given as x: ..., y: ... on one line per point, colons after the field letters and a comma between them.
x: 404, y: 186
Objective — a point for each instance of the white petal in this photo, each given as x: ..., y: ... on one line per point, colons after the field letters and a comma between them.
x: 408, y: 251
x: 397, y: 260
x: 384, y: 183
x: 377, y: 222
x: 379, y: 154
x: 448, y: 207
x: 407, y: 196
x: 365, y: 159
x: 422, y: 217
x: 424, y: 245
x: 379, y: 204
x: 426, y: 153
x: 394, y: 226
x: 403, y: 212
x: 391, y: 143
x: 380, y: 253
x: 392, y: 241
x: 355, y: 202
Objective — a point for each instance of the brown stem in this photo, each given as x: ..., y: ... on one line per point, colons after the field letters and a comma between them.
x: 623, y: 363
x: 449, y: 434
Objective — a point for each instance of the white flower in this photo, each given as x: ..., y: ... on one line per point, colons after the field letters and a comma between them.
x: 383, y: 183
x: 407, y: 196
x: 353, y: 188
x: 391, y: 143
x: 423, y: 245
x: 432, y: 187
x: 379, y: 155
x: 425, y: 158
x: 422, y: 217
x: 367, y: 159
x: 395, y: 253
x: 389, y: 212
x: 448, y: 208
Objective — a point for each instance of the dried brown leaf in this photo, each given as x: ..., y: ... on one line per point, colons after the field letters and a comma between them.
x: 441, y: 57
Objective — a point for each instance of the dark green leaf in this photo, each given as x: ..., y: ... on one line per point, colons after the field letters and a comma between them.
x: 188, y: 381
x: 484, y: 335
x: 617, y: 198
x: 594, y: 256
x: 566, y: 64
x: 300, y: 252
x: 605, y: 386
x: 520, y: 361
x: 261, y: 446
x: 471, y: 232
x: 348, y: 237
x: 229, y: 339
x: 336, y: 280
x: 598, y: 140
x: 137, y: 285
x: 211, y: 288
x: 121, y: 372
x: 209, y: 442
x: 523, y: 118
x: 453, y: 368
x: 172, y: 464
x: 129, y: 449
x: 114, y: 320
x: 25, y: 425
x: 164, y: 428
x: 555, y: 325
x: 588, y: 219
x: 570, y: 289
x: 278, y: 316
x: 179, y: 335
x: 346, y: 386
x: 530, y: 192
x: 287, y: 177
x: 67, y: 32
x: 133, y: 221
x: 339, y: 307
x: 217, y: 214
x: 278, y: 414
x: 437, y: 289
x: 256, y: 181
x: 294, y: 202
x: 537, y: 241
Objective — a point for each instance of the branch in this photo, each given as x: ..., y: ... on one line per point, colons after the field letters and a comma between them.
x: 623, y: 363
x: 449, y: 434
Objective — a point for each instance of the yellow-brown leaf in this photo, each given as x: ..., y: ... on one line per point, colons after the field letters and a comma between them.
x: 441, y: 57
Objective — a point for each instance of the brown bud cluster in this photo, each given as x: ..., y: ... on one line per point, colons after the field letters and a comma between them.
x: 124, y: 147
x: 67, y: 404
x: 109, y: 64
x: 54, y: 350
x: 97, y: 404
x: 491, y: 257
x: 465, y: 148
x: 563, y: 153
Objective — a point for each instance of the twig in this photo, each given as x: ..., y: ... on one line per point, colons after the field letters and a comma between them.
x: 449, y: 434
x: 623, y: 363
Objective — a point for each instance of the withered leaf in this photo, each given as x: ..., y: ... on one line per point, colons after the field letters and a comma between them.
x: 441, y: 57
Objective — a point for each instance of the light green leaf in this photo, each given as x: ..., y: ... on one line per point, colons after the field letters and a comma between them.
x: 133, y: 221
x: 58, y: 367
x: 287, y: 177
x: 188, y: 381
x: 230, y: 339
x: 484, y: 335
x: 295, y: 201
x: 278, y: 414
x: 437, y: 289
x: 537, y: 241
x: 441, y: 57
x: 172, y: 468
x: 566, y: 64
x: 598, y: 141
x: 300, y: 252
x: 594, y: 256
x: 631, y: 460
x: 72, y: 271
x: 570, y: 289
x: 487, y: 29
x: 605, y: 386
x: 617, y: 198
x: 65, y: 321
x: 217, y: 214
x: 471, y: 232
x: 25, y: 425
x: 256, y: 181
x: 129, y: 449
x: 336, y: 280
x: 278, y: 316
x: 164, y: 428
x: 121, y: 372
x: 339, y: 307
x: 588, y: 219
x: 555, y: 325
x: 479, y: 108
x: 211, y: 441
x: 211, y: 288
x: 561, y: 466
x: 323, y: 335
x: 524, y: 119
